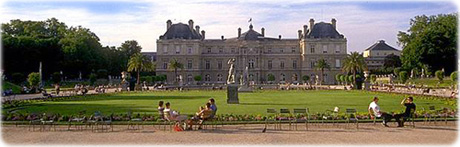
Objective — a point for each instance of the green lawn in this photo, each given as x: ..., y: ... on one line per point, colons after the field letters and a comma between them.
x: 8, y: 85
x: 250, y: 103
x: 432, y: 82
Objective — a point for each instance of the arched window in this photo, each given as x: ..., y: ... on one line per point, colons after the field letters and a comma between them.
x: 219, y: 77
x: 189, y: 78
x: 282, y: 77
x: 294, y: 77
x: 207, y: 77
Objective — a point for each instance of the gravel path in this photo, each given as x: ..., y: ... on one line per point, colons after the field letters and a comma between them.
x: 241, y: 135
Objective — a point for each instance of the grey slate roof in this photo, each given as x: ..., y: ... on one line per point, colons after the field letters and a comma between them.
x: 381, y: 45
x: 180, y: 31
x: 323, y: 30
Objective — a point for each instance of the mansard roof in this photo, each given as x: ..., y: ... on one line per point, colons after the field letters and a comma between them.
x: 382, y: 46
x: 324, y: 30
x: 181, y: 31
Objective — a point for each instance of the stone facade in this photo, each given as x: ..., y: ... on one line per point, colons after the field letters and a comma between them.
x: 375, y: 54
x: 286, y: 59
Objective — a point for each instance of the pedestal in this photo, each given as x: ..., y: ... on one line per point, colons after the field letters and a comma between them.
x: 367, y: 86
x: 232, y: 94
x: 124, y: 86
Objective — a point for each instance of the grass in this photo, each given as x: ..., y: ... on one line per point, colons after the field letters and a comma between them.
x: 250, y: 103
x: 7, y: 85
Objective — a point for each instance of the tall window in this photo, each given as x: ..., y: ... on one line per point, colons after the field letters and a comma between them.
x: 293, y: 49
x: 294, y: 64
x: 337, y: 49
x: 324, y: 49
x: 219, y: 77
x: 283, y: 77
x: 233, y: 50
x: 189, y: 78
x: 221, y: 50
x: 165, y: 65
x: 337, y: 63
x: 177, y: 49
x: 189, y: 64
x: 312, y: 64
x: 189, y: 49
x: 282, y: 64
x: 209, y: 50
x: 208, y: 64
x: 219, y: 64
x: 207, y: 77
x: 270, y: 64
x: 251, y: 64
x: 165, y: 49
x: 312, y: 48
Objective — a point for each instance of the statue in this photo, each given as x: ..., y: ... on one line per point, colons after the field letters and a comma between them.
x: 423, y: 73
x: 231, y: 71
x: 245, y: 76
x: 124, y: 83
x: 412, y: 73
x: 366, y: 75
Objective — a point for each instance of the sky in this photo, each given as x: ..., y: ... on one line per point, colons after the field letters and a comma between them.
x: 362, y: 22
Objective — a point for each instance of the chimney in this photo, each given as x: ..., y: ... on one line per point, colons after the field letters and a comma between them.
x: 202, y: 35
x: 197, y: 29
x: 263, y: 32
x: 250, y: 26
x: 300, y: 34
x: 239, y: 32
x: 333, y: 22
x: 305, y: 30
x: 312, y: 23
x: 222, y: 37
x: 279, y: 36
x: 168, y: 24
x: 190, y: 24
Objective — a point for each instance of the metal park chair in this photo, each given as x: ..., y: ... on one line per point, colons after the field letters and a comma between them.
x: 135, y: 121
x: 268, y: 120
x: 286, y: 118
x: 304, y: 114
x: 351, y: 117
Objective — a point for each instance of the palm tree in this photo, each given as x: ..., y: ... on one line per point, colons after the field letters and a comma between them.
x: 354, y: 63
x: 174, y: 64
x: 138, y: 63
x: 321, y: 65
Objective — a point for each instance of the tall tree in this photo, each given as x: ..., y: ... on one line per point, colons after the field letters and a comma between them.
x: 354, y: 62
x: 175, y: 64
x: 430, y: 40
x: 138, y: 63
x: 391, y: 61
x: 322, y: 64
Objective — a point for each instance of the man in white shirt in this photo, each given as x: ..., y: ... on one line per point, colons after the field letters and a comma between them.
x: 374, y: 111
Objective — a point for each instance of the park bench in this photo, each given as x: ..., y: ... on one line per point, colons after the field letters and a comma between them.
x: 351, y: 117
x: 302, y: 112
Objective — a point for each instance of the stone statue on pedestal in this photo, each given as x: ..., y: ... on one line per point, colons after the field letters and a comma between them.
x: 231, y: 71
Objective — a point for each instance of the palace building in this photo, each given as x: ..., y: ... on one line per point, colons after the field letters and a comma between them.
x: 286, y: 59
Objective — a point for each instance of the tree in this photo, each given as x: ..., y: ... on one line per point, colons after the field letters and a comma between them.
x: 391, y: 61
x: 440, y: 75
x: 175, y: 64
x: 34, y: 79
x: 396, y: 71
x: 403, y: 76
x: 337, y: 78
x: 321, y: 65
x: 343, y: 79
x: 430, y: 40
x: 17, y: 78
x: 453, y: 76
x: 354, y: 63
x: 138, y: 63
x: 197, y: 78
x: 102, y: 74
x: 305, y: 78
x: 350, y: 79
x: 270, y: 78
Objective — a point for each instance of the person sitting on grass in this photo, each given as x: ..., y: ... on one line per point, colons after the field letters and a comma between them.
x: 374, y: 111
x: 201, y: 116
x: 410, y: 106
x: 161, y: 109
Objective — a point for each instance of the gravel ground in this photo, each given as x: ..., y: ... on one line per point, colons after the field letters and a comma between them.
x: 445, y: 134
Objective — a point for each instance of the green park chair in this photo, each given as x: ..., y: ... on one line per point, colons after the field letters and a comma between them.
x: 271, y: 113
x: 351, y: 117
x: 303, y: 113
x: 285, y: 116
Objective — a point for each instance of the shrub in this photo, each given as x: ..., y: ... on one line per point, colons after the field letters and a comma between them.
x: 17, y: 78
x: 350, y: 79
x: 403, y: 76
x: 440, y: 75
x: 305, y: 78
x: 34, y: 79
x: 92, y: 78
x: 197, y: 78
x: 271, y: 77
x: 453, y: 76
x: 396, y: 71
x: 343, y: 78
x: 337, y: 78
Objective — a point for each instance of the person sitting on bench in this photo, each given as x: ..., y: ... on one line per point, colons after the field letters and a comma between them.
x: 410, y: 106
x: 201, y: 116
x: 374, y: 111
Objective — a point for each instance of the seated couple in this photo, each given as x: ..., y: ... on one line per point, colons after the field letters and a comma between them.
x: 206, y: 113
x: 167, y: 114
x: 374, y: 111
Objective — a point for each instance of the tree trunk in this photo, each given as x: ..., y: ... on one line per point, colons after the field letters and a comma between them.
x: 138, y: 73
x: 354, y: 79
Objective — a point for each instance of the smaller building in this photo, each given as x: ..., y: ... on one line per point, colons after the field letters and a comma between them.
x: 375, y: 54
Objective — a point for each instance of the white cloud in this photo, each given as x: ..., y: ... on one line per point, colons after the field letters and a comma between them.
x: 361, y: 27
